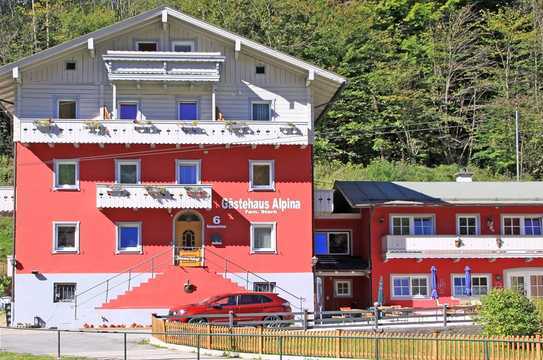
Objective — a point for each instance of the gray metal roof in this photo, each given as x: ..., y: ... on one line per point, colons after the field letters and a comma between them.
x: 365, y: 193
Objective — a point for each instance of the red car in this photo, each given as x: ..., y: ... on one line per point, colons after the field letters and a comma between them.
x: 242, y: 303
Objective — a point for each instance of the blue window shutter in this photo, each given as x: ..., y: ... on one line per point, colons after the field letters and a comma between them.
x: 321, y: 243
x: 129, y: 111
x: 188, y: 174
x: 129, y: 237
x: 188, y: 111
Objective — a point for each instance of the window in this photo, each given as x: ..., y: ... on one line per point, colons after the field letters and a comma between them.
x: 67, y: 109
x: 188, y: 171
x: 536, y: 286
x: 66, y: 174
x: 467, y: 225
x: 63, y: 292
x: 264, y: 286
x: 480, y: 285
x: 263, y: 237
x: 261, y: 175
x: 412, y: 225
x: 183, y: 46
x: 129, y: 237
x: 343, y: 288
x: 532, y: 226
x: 332, y: 243
x: 410, y: 286
x: 147, y: 46
x: 227, y: 301
x: 127, y: 171
x: 128, y: 110
x: 400, y: 225
x: 70, y: 65
x: 522, y: 225
x: 260, y: 69
x: 517, y: 283
x: 261, y: 110
x: 187, y: 110
x: 252, y: 299
x: 66, y: 236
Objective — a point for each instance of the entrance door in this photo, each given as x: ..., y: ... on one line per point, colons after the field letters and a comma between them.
x: 188, y: 240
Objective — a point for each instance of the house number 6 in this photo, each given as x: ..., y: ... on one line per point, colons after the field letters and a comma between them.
x: 216, y: 220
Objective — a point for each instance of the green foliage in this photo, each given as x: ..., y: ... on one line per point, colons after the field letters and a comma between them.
x: 6, y: 170
x: 6, y: 237
x: 506, y: 312
x: 382, y: 170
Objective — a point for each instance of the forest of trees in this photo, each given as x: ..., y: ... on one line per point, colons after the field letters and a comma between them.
x: 431, y: 83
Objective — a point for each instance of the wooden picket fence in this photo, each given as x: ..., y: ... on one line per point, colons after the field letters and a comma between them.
x: 347, y: 343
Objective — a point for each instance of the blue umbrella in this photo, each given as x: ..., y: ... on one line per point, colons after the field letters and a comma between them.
x: 433, y: 280
x: 467, y: 289
x: 381, y: 292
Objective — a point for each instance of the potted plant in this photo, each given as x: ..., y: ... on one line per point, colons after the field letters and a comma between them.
x: 458, y: 242
x: 157, y: 191
x: 93, y: 125
x: 117, y: 190
x: 196, y: 192
x: 44, y: 123
x: 142, y: 122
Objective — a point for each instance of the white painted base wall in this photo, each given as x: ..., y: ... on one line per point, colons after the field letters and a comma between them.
x: 34, y: 297
x: 299, y: 284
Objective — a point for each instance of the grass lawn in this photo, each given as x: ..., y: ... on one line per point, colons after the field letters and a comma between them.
x: 14, y: 356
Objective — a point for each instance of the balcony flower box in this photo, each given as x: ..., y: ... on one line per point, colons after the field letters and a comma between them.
x: 45, y: 125
x: 157, y: 191
x: 117, y: 190
x: 196, y: 192
x: 95, y: 126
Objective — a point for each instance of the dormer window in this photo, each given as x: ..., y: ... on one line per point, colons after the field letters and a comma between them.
x: 183, y: 46
x: 147, y: 46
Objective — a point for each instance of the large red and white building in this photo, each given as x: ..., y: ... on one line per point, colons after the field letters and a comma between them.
x: 385, y: 237
x: 155, y: 155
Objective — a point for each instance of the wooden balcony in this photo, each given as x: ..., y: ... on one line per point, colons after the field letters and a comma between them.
x: 456, y: 247
x: 163, y: 66
x: 7, y: 202
x: 140, y: 196
x: 54, y: 131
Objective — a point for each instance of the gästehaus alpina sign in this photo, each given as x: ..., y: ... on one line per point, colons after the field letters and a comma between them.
x: 250, y: 206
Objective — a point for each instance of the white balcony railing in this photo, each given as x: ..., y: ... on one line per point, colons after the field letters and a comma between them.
x: 153, y: 196
x: 161, y: 132
x: 6, y: 199
x: 163, y: 66
x: 452, y: 246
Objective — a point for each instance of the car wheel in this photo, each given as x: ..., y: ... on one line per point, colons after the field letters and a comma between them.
x: 272, y: 321
x: 197, y: 321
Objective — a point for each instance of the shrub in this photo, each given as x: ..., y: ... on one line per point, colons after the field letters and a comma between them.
x: 506, y: 312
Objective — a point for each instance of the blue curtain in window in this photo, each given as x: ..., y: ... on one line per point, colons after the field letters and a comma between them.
x: 401, y: 286
x: 261, y: 111
x: 188, y: 174
x: 129, y: 237
x: 128, y: 111
x: 423, y: 226
x: 321, y: 243
x: 188, y: 111
x: 532, y: 226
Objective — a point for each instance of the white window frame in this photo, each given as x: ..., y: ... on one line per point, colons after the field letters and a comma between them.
x: 138, y: 42
x: 412, y: 218
x: 273, y: 248
x: 56, y: 249
x: 268, y: 102
x: 477, y: 275
x: 192, y: 44
x: 470, y: 216
x: 139, y: 115
x: 56, y: 164
x: 188, y: 101
x: 271, y: 186
x: 55, y: 284
x: 138, y: 249
x: 271, y: 286
x: 343, y: 281
x: 338, y: 231
x: 526, y: 273
x: 198, y: 164
x: 66, y: 100
x: 120, y: 162
x: 522, y: 217
x: 411, y: 277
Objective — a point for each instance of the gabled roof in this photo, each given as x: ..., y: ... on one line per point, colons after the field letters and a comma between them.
x: 367, y: 193
x: 152, y: 14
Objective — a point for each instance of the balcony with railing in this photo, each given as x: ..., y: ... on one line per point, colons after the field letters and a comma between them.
x: 163, y: 66
x: 6, y: 199
x: 140, y: 196
x: 61, y: 131
x: 456, y: 247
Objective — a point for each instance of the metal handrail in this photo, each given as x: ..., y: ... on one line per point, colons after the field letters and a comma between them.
x: 245, y: 270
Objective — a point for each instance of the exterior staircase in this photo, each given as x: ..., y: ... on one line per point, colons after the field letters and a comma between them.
x: 166, y: 290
